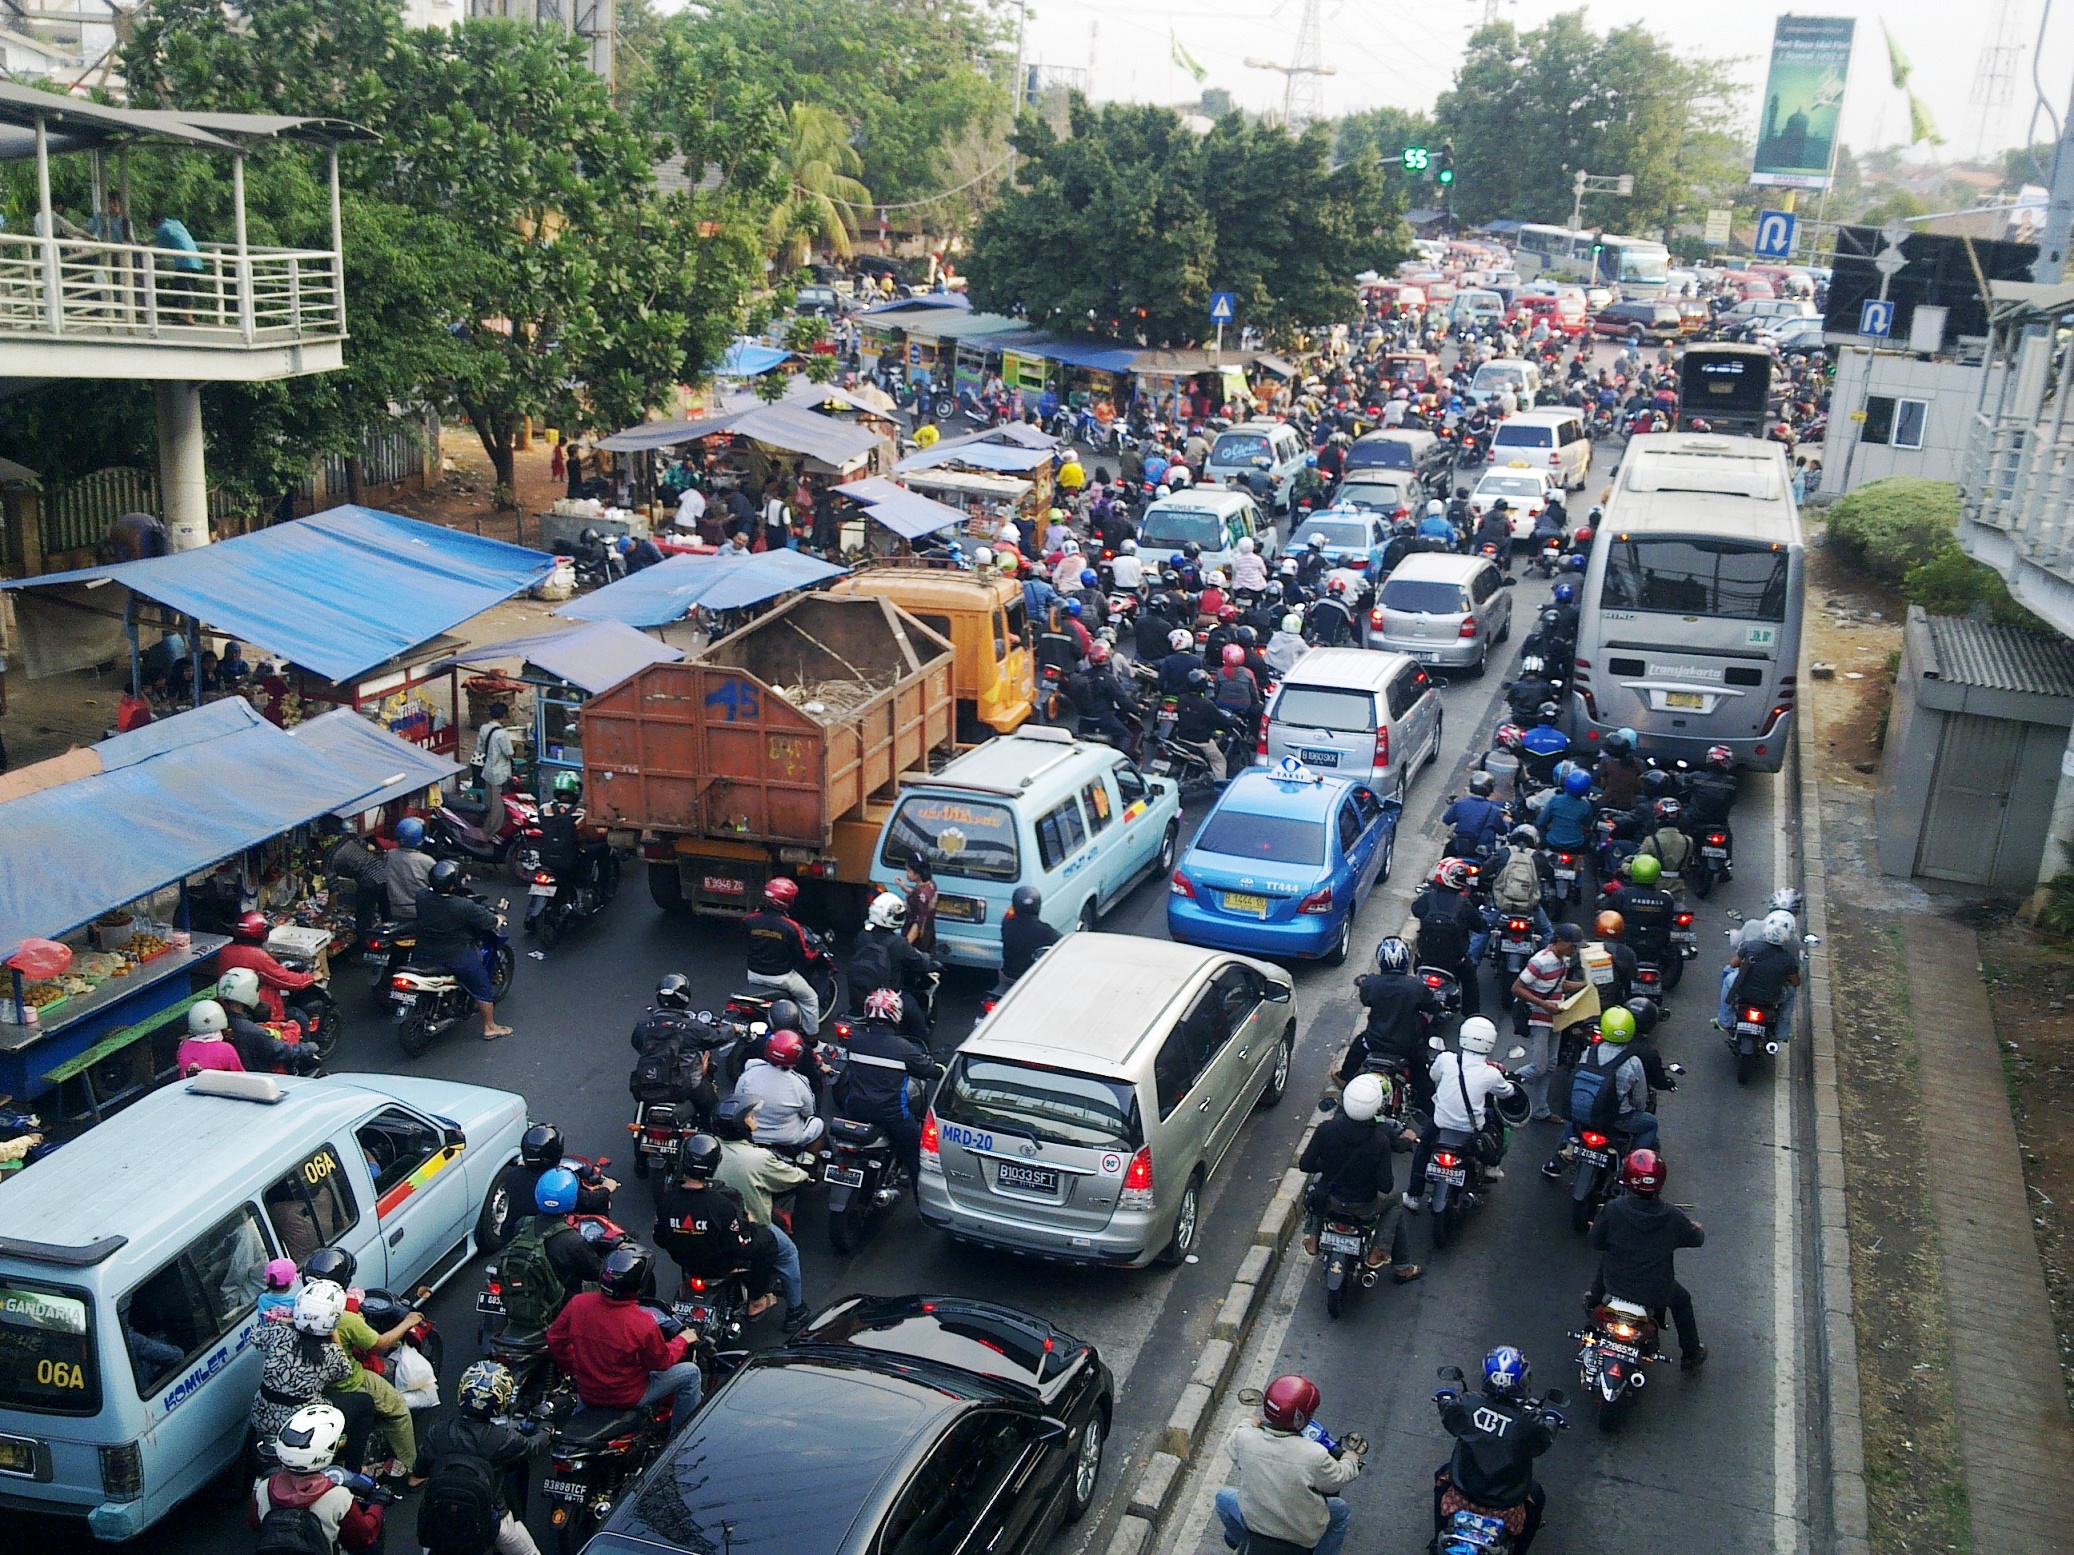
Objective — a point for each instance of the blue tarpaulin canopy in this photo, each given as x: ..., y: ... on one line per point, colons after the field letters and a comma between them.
x: 172, y: 799
x: 338, y: 592
x: 1006, y: 458
x: 591, y: 657
x: 908, y: 514
x: 390, y: 767
x: 746, y: 358
x: 656, y: 596
x: 1102, y: 356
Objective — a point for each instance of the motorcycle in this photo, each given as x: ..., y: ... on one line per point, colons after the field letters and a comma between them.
x: 1613, y: 1355
x: 1512, y: 945
x: 595, y: 1456
x: 659, y: 1127
x: 1567, y: 870
x: 1595, y: 1159
x: 1450, y: 1190
x: 1344, y: 1238
x: 1756, y: 1027
x: 383, y: 1311
x: 716, y: 1314
x: 451, y: 832
x: 556, y: 904
x: 864, y: 1180
x: 749, y: 1006
x: 427, y: 1001
x: 1713, y: 860
x: 313, y: 1008
x: 1684, y: 937
x: 1185, y: 765
x: 1548, y: 555
x: 1469, y: 1529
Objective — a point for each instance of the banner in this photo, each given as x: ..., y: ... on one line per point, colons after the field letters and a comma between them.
x: 1803, y: 101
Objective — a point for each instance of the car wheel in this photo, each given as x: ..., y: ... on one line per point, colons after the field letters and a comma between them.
x: 1169, y: 851
x: 1337, y: 956
x: 1187, y: 1222
x: 1087, y: 916
x: 495, y: 1225
x: 1087, y: 1467
x: 1278, y: 1076
x: 1389, y: 858
x: 1483, y: 659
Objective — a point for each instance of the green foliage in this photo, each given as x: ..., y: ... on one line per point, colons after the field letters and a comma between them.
x: 1383, y: 132
x: 822, y: 198
x: 1887, y: 527
x: 1527, y: 110
x: 1125, y: 226
x: 804, y: 333
x: 768, y: 387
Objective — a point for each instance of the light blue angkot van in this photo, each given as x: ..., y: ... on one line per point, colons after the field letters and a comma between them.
x: 1074, y: 818
x: 131, y: 1259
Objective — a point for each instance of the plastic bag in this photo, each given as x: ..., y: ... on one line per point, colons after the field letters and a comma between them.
x: 413, y: 1377
x: 41, y: 958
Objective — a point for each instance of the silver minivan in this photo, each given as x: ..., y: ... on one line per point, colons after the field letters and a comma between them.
x: 1442, y: 609
x: 1372, y: 717
x: 1083, y: 1117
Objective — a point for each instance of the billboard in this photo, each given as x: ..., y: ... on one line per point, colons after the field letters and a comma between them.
x: 1803, y: 101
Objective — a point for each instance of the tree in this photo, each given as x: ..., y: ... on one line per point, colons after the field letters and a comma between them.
x: 1382, y: 133
x: 822, y: 194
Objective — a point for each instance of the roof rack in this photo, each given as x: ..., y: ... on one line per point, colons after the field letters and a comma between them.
x: 57, y: 1253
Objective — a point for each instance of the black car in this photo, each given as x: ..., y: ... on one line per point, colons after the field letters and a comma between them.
x: 1652, y: 320
x: 906, y: 1425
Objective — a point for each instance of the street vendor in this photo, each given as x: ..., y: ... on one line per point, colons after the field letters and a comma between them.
x: 344, y: 857
x: 248, y: 950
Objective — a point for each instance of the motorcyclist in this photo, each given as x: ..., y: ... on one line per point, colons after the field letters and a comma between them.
x: 478, y: 1429
x: 1497, y: 1438
x: 1286, y: 1482
x: 884, y: 959
x: 1100, y: 695
x: 1618, y: 774
x: 1314, y: 564
x: 781, y: 955
x: 247, y: 950
x: 1539, y: 991
x: 1647, y: 910
x: 1495, y: 529
x: 542, y: 1149
x: 1637, y: 1236
x: 1181, y: 662
x: 451, y: 929
x: 564, y: 852
x: 703, y: 1225
x: 1619, y: 978
x: 615, y: 1351
x: 1476, y: 821
x: 1249, y: 569
x: 1330, y: 620
x: 1670, y: 846
x: 1710, y: 793
x: 1448, y: 921
x: 785, y: 1102
x: 1530, y: 689
x: 1566, y: 611
x: 1286, y: 645
x: 1237, y: 690
x: 1024, y: 934
x: 344, y: 857
x: 1126, y: 571
x: 1520, y: 879
x: 878, y: 1086
x: 406, y: 868
x: 1464, y: 1081
x: 1610, y: 1061
x: 305, y: 1447
x: 1566, y: 816
x: 1542, y: 746
x: 207, y: 1044
x: 1395, y: 999
x: 1434, y: 526
x: 1766, y: 974
x: 1201, y: 725
x: 259, y: 1050
x: 1349, y: 1159
x: 575, y: 1249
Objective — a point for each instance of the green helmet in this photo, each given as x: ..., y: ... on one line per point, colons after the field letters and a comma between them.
x: 1645, y: 869
x: 1617, y: 1026
x: 568, y: 785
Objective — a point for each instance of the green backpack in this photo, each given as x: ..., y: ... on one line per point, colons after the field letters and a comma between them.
x: 533, y: 1291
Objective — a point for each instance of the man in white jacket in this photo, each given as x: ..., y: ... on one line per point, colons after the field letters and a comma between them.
x: 785, y: 1111
x: 1288, y: 1483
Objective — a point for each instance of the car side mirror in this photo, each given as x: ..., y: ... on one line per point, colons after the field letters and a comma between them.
x: 1279, y: 993
x: 1052, y: 1430
x: 453, y: 1137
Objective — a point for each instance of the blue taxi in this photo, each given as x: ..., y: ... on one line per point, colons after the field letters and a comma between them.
x: 1282, y: 863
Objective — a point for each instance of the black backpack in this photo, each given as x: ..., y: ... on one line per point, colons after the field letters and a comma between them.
x: 663, y: 1073
x: 462, y: 1509
x: 659, y: 1028
x: 292, y: 1530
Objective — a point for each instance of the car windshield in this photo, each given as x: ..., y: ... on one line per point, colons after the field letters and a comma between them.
x: 47, y: 1349
x: 1176, y: 527
x: 1264, y: 839
x: 1052, y: 1106
x: 1733, y: 580
x: 1338, y: 534
x: 1509, y: 486
x: 1383, y: 453
x: 1239, y: 448
x: 969, y: 838
x: 1513, y: 436
x: 1492, y: 376
x: 1424, y: 596
x: 1376, y: 496
x: 1644, y: 264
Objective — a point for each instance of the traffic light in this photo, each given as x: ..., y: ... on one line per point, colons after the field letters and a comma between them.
x: 1417, y: 159
x: 1444, y: 172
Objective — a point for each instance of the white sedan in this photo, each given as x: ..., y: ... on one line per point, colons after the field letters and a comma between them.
x: 1526, y: 492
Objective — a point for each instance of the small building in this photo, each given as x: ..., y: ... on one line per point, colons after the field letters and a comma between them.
x: 1972, y: 758
x: 1917, y: 413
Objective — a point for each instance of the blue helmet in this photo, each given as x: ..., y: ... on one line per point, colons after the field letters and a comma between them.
x: 1562, y: 770
x: 410, y: 831
x: 1577, y: 564
x: 1507, y: 1372
x: 556, y: 1192
x: 1089, y: 577
x: 1566, y: 592
x: 1393, y: 955
x: 1577, y: 782
x: 1629, y: 735
x: 1073, y: 607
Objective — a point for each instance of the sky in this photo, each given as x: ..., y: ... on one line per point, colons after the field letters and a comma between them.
x: 1403, y: 53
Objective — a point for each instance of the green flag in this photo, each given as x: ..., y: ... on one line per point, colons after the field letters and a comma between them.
x: 1920, y: 125
x: 1184, y: 59
x: 1897, y: 62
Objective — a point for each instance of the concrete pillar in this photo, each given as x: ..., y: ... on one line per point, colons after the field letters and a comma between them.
x: 2059, y: 836
x: 183, y: 480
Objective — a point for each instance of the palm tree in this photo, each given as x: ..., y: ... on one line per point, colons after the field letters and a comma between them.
x: 822, y: 193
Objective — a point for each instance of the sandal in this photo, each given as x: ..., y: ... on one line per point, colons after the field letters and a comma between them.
x: 1407, y: 1274
x: 494, y: 1033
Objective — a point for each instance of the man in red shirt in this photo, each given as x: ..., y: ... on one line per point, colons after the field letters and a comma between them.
x: 614, y: 1349
x: 248, y: 949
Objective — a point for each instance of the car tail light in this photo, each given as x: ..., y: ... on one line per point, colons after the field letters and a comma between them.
x: 1468, y: 627
x: 1583, y: 664
x: 932, y: 1143
x: 122, y: 1472
x: 1594, y: 1141
x: 1137, y: 1181
x: 1317, y: 902
x: 1717, y: 839
x: 1375, y: 618
x: 1382, y: 746
x: 1261, y: 748
x: 1181, y: 885
x: 1555, y: 459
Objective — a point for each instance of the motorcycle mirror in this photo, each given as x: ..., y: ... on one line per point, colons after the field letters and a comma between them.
x: 1555, y: 1398
x: 706, y: 1016
x: 1518, y: 1052
x: 1811, y: 939
x: 503, y: 903
x: 1251, y: 1397
x: 1449, y: 1374
x: 1436, y: 1044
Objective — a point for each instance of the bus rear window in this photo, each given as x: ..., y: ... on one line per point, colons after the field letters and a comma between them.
x: 47, y: 1350
x: 1729, y: 580
x: 966, y: 837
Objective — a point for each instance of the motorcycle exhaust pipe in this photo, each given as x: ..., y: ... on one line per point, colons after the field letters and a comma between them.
x: 1637, y: 1378
x: 1772, y: 1048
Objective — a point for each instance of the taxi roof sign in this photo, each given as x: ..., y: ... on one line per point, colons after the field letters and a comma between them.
x: 1290, y: 770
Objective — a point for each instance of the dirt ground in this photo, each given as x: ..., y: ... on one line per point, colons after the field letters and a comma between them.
x: 462, y: 496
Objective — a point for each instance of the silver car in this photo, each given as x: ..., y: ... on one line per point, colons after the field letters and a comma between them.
x: 1442, y: 609
x: 1082, y: 1118
x: 1372, y: 717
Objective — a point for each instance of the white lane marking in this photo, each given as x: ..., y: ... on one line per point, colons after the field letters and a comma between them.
x: 1786, y: 1529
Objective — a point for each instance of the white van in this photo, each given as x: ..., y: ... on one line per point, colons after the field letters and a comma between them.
x: 1552, y: 441
x: 1214, y: 518
x: 1506, y: 372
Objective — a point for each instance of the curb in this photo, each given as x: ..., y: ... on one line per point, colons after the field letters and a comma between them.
x: 1836, y: 1336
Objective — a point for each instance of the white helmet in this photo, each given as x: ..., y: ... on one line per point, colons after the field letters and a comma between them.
x: 1245, y: 545
x: 1069, y: 546
x: 888, y: 911
x: 310, y: 1439
x: 1778, y: 928
x: 240, y: 985
x: 1163, y: 490
x: 1478, y: 1035
x: 319, y: 1307
x: 1180, y: 639
x: 1129, y: 548
x: 1363, y: 1098
x: 1434, y: 509
x: 1292, y: 622
x: 983, y: 558
x: 1217, y: 578
x: 205, y: 1018
x: 1786, y: 899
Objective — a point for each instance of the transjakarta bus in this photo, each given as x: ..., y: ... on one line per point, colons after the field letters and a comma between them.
x: 1689, y: 626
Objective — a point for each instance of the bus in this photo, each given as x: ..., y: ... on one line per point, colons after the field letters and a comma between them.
x: 1689, y: 623
x: 1638, y: 268
x: 1724, y: 387
x: 1537, y: 249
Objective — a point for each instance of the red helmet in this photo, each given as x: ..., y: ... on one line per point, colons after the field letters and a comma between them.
x: 1644, y: 1172
x: 251, y: 926
x: 1451, y: 874
x: 1336, y: 587
x: 1228, y: 614
x: 1234, y: 654
x: 1098, y: 654
x: 1720, y: 756
x: 1508, y: 737
x: 782, y: 892
x: 1289, y: 1403
x: 784, y: 1049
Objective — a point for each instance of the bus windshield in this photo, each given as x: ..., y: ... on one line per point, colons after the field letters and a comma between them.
x: 1695, y: 575
x: 1645, y: 264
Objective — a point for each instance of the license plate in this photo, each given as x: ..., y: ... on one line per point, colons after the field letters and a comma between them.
x: 1691, y: 699
x: 17, y: 1456
x: 488, y: 1301
x: 1684, y: 937
x: 1745, y: 1028
x: 1517, y: 947
x: 848, y: 1176
x: 1619, y: 1351
x: 1339, y: 1241
x: 406, y: 999
x: 1482, y: 1532
x: 1425, y: 655
x: 1240, y: 901
x: 1456, y: 1175
x: 1565, y: 876
x: 536, y: 889
x: 1318, y: 758
x: 693, y: 1314
x: 1026, y: 1179
x: 1163, y: 767
x: 1594, y: 1157
x: 563, y: 1489
x: 962, y: 909
x: 724, y: 885
x: 1720, y: 853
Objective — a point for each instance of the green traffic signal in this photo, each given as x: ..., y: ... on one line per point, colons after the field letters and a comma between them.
x: 1446, y: 175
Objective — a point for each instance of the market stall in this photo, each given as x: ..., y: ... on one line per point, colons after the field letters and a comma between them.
x: 713, y: 586
x: 901, y: 517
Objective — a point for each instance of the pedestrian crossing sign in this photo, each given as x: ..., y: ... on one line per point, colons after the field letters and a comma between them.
x: 1223, y: 307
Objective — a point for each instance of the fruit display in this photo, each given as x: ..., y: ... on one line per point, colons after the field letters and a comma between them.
x: 145, y: 946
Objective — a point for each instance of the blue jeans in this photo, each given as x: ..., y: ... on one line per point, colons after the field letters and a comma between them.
x: 1725, y: 1013
x: 788, y: 1267
x: 1642, y: 1130
x: 1337, y: 1516
x: 681, y: 1380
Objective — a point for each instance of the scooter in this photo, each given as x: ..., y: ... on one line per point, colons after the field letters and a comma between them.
x: 864, y: 1181
x: 1469, y: 1529
x: 558, y: 903
x: 1454, y: 1171
x: 1613, y: 1355
x: 1713, y: 859
x: 428, y: 1001
x: 455, y: 833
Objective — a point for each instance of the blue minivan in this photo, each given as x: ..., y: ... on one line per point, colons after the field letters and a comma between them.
x: 1074, y: 818
x: 131, y: 1261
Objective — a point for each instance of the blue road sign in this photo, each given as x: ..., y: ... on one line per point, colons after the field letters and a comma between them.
x: 1876, y: 318
x: 1775, y: 234
x: 1223, y: 307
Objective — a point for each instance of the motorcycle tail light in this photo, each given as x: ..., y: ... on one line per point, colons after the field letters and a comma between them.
x: 1447, y: 1159
x: 399, y: 982
x: 1433, y: 979
x: 1594, y: 1141
x: 696, y: 1284
x: 1517, y: 925
x: 1717, y: 839
x: 1181, y: 885
x: 1137, y: 1181
x: 842, y: 1031
x: 1682, y: 920
x: 543, y: 879
x: 1566, y: 858
x: 1647, y: 974
x: 1317, y: 902
x: 495, y: 1287
x: 1624, y: 1330
x: 1755, y: 1016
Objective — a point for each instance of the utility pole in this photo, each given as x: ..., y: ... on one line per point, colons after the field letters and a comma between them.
x: 1301, y: 99
x: 2059, y: 209
x: 1583, y: 183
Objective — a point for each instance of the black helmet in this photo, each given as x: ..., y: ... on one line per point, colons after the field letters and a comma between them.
x: 1644, y: 1012
x: 330, y: 1263
x: 541, y: 1145
x: 1481, y: 783
x: 673, y: 992
x: 626, y: 1272
x: 699, y: 1156
x: 1191, y: 550
x: 1027, y: 901
x: 1197, y: 679
x: 1655, y: 780
x: 445, y: 877
x: 784, y: 1015
x: 1248, y: 636
x: 1548, y: 712
x: 731, y: 1118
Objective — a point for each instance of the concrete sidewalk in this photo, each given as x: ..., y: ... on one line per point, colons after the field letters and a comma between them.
x: 2016, y: 1438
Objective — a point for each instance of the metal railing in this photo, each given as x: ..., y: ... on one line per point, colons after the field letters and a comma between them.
x: 81, y: 289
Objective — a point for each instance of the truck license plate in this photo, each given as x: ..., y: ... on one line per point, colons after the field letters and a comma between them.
x: 724, y: 885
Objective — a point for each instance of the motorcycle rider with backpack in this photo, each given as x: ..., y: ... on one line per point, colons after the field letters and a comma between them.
x: 1609, y: 1090
x: 1647, y: 908
x: 1669, y: 846
x: 1448, y: 924
x: 1520, y: 878
x: 541, y: 1150
x: 1395, y: 999
x: 550, y: 1259
x: 704, y: 1226
x: 304, y: 1507
x: 1497, y: 1439
x: 1476, y: 821
x: 474, y: 1469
